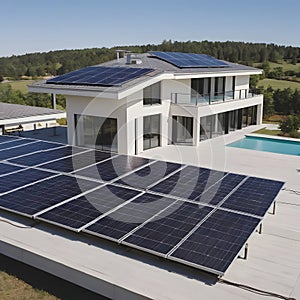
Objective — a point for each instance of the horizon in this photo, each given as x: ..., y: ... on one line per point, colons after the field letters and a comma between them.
x: 57, y: 25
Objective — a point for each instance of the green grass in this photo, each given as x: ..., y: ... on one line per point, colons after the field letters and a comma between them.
x: 284, y: 65
x: 12, y: 288
x: 267, y: 131
x: 20, y: 85
x: 278, y: 84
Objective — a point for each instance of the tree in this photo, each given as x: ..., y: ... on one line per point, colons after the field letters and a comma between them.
x: 268, y: 103
x: 290, y: 124
x: 1, y: 78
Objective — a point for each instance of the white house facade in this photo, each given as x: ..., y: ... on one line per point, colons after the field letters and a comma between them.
x: 142, y: 101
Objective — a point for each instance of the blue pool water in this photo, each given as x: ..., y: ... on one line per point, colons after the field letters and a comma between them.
x: 268, y: 144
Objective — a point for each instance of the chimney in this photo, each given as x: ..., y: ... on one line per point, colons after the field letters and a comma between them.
x: 128, y: 58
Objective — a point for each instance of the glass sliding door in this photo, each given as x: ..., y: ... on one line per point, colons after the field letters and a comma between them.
x: 182, y: 130
x: 96, y: 132
x: 151, y: 136
x: 200, y: 90
x: 219, y: 94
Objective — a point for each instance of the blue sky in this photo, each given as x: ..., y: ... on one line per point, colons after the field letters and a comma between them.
x: 38, y: 26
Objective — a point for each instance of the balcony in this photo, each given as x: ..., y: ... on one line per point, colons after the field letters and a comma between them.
x: 207, y: 99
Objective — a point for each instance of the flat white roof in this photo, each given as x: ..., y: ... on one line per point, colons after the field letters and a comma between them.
x: 273, y: 262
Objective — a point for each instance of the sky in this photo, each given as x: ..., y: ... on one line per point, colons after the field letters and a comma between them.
x: 42, y: 26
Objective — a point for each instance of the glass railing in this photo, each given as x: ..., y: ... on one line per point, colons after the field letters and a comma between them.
x: 204, y: 99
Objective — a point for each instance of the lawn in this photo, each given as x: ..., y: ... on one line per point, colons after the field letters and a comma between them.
x: 278, y: 84
x: 284, y: 65
x: 20, y: 85
x: 267, y: 131
x: 11, y: 288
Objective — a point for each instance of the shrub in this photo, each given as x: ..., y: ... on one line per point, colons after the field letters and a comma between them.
x: 290, y: 124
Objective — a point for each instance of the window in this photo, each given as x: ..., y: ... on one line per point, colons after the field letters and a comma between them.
x: 96, y: 132
x: 182, y: 130
x: 219, y: 89
x: 151, y: 131
x: 152, y: 94
x: 200, y: 90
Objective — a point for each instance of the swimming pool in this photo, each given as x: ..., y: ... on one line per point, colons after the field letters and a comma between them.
x: 268, y: 145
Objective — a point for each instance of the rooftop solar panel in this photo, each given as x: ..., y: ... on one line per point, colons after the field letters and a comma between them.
x: 166, y: 230
x: 46, y: 156
x: 26, y: 149
x: 196, y: 216
x: 14, y: 143
x: 80, y: 211
x: 189, y: 60
x: 189, y: 183
x: 148, y: 175
x: 113, y: 168
x: 122, y: 221
x: 7, y: 138
x: 216, y: 243
x: 19, y: 179
x: 73, y: 163
x: 5, y: 169
x: 35, y: 198
x: 255, y: 196
x: 100, y: 76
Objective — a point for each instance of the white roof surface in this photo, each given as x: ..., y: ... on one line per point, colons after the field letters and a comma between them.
x: 273, y: 262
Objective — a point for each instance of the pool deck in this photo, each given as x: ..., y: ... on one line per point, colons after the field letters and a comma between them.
x: 273, y: 262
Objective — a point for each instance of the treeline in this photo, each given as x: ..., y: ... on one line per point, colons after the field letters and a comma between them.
x: 8, y: 95
x: 286, y: 101
x: 63, y: 61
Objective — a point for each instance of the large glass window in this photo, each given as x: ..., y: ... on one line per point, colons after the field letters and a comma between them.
x: 200, y: 90
x: 182, y: 130
x: 152, y: 94
x: 151, y: 131
x: 219, y: 89
x: 96, y: 132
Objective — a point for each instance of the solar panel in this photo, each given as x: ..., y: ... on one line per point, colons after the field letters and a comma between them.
x: 216, y: 243
x: 164, y: 232
x: 26, y: 149
x: 19, y: 179
x: 35, y: 198
x: 78, y: 212
x: 255, y: 196
x: 79, y: 161
x: 14, y: 143
x: 189, y: 60
x: 45, y: 156
x: 113, y: 168
x: 7, y: 138
x: 189, y: 183
x: 5, y: 169
x: 100, y: 76
x: 122, y: 221
x: 216, y: 193
x: 150, y: 174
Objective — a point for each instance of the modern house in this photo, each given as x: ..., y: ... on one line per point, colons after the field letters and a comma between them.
x: 142, y: 101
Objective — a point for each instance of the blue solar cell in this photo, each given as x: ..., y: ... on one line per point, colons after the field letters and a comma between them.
x: 19, y: 179
x: 255, y: 196
x: 45, y: 156
x: 216, y: 243
x: 14, y: 143
x: 166, y: 230
x: 122, y: 221
x: 26, y: 149
x: 7, y: 138
x: 37, y: 197
x: 189, y: 60
x: 5, y: 169
x: 149, y: 174
x: 100, y: 76
x: 73, y: 163
x: 189, y: 183
x: 113, y: 168
x: 220, y: 190
x: 79, y: 212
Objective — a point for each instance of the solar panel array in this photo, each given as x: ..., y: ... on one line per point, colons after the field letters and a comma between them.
x: 195, y: 216
x: 189, y: 60
x: 100, y: 76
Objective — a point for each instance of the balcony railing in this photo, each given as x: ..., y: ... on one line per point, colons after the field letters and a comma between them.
x: 205, y: 99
